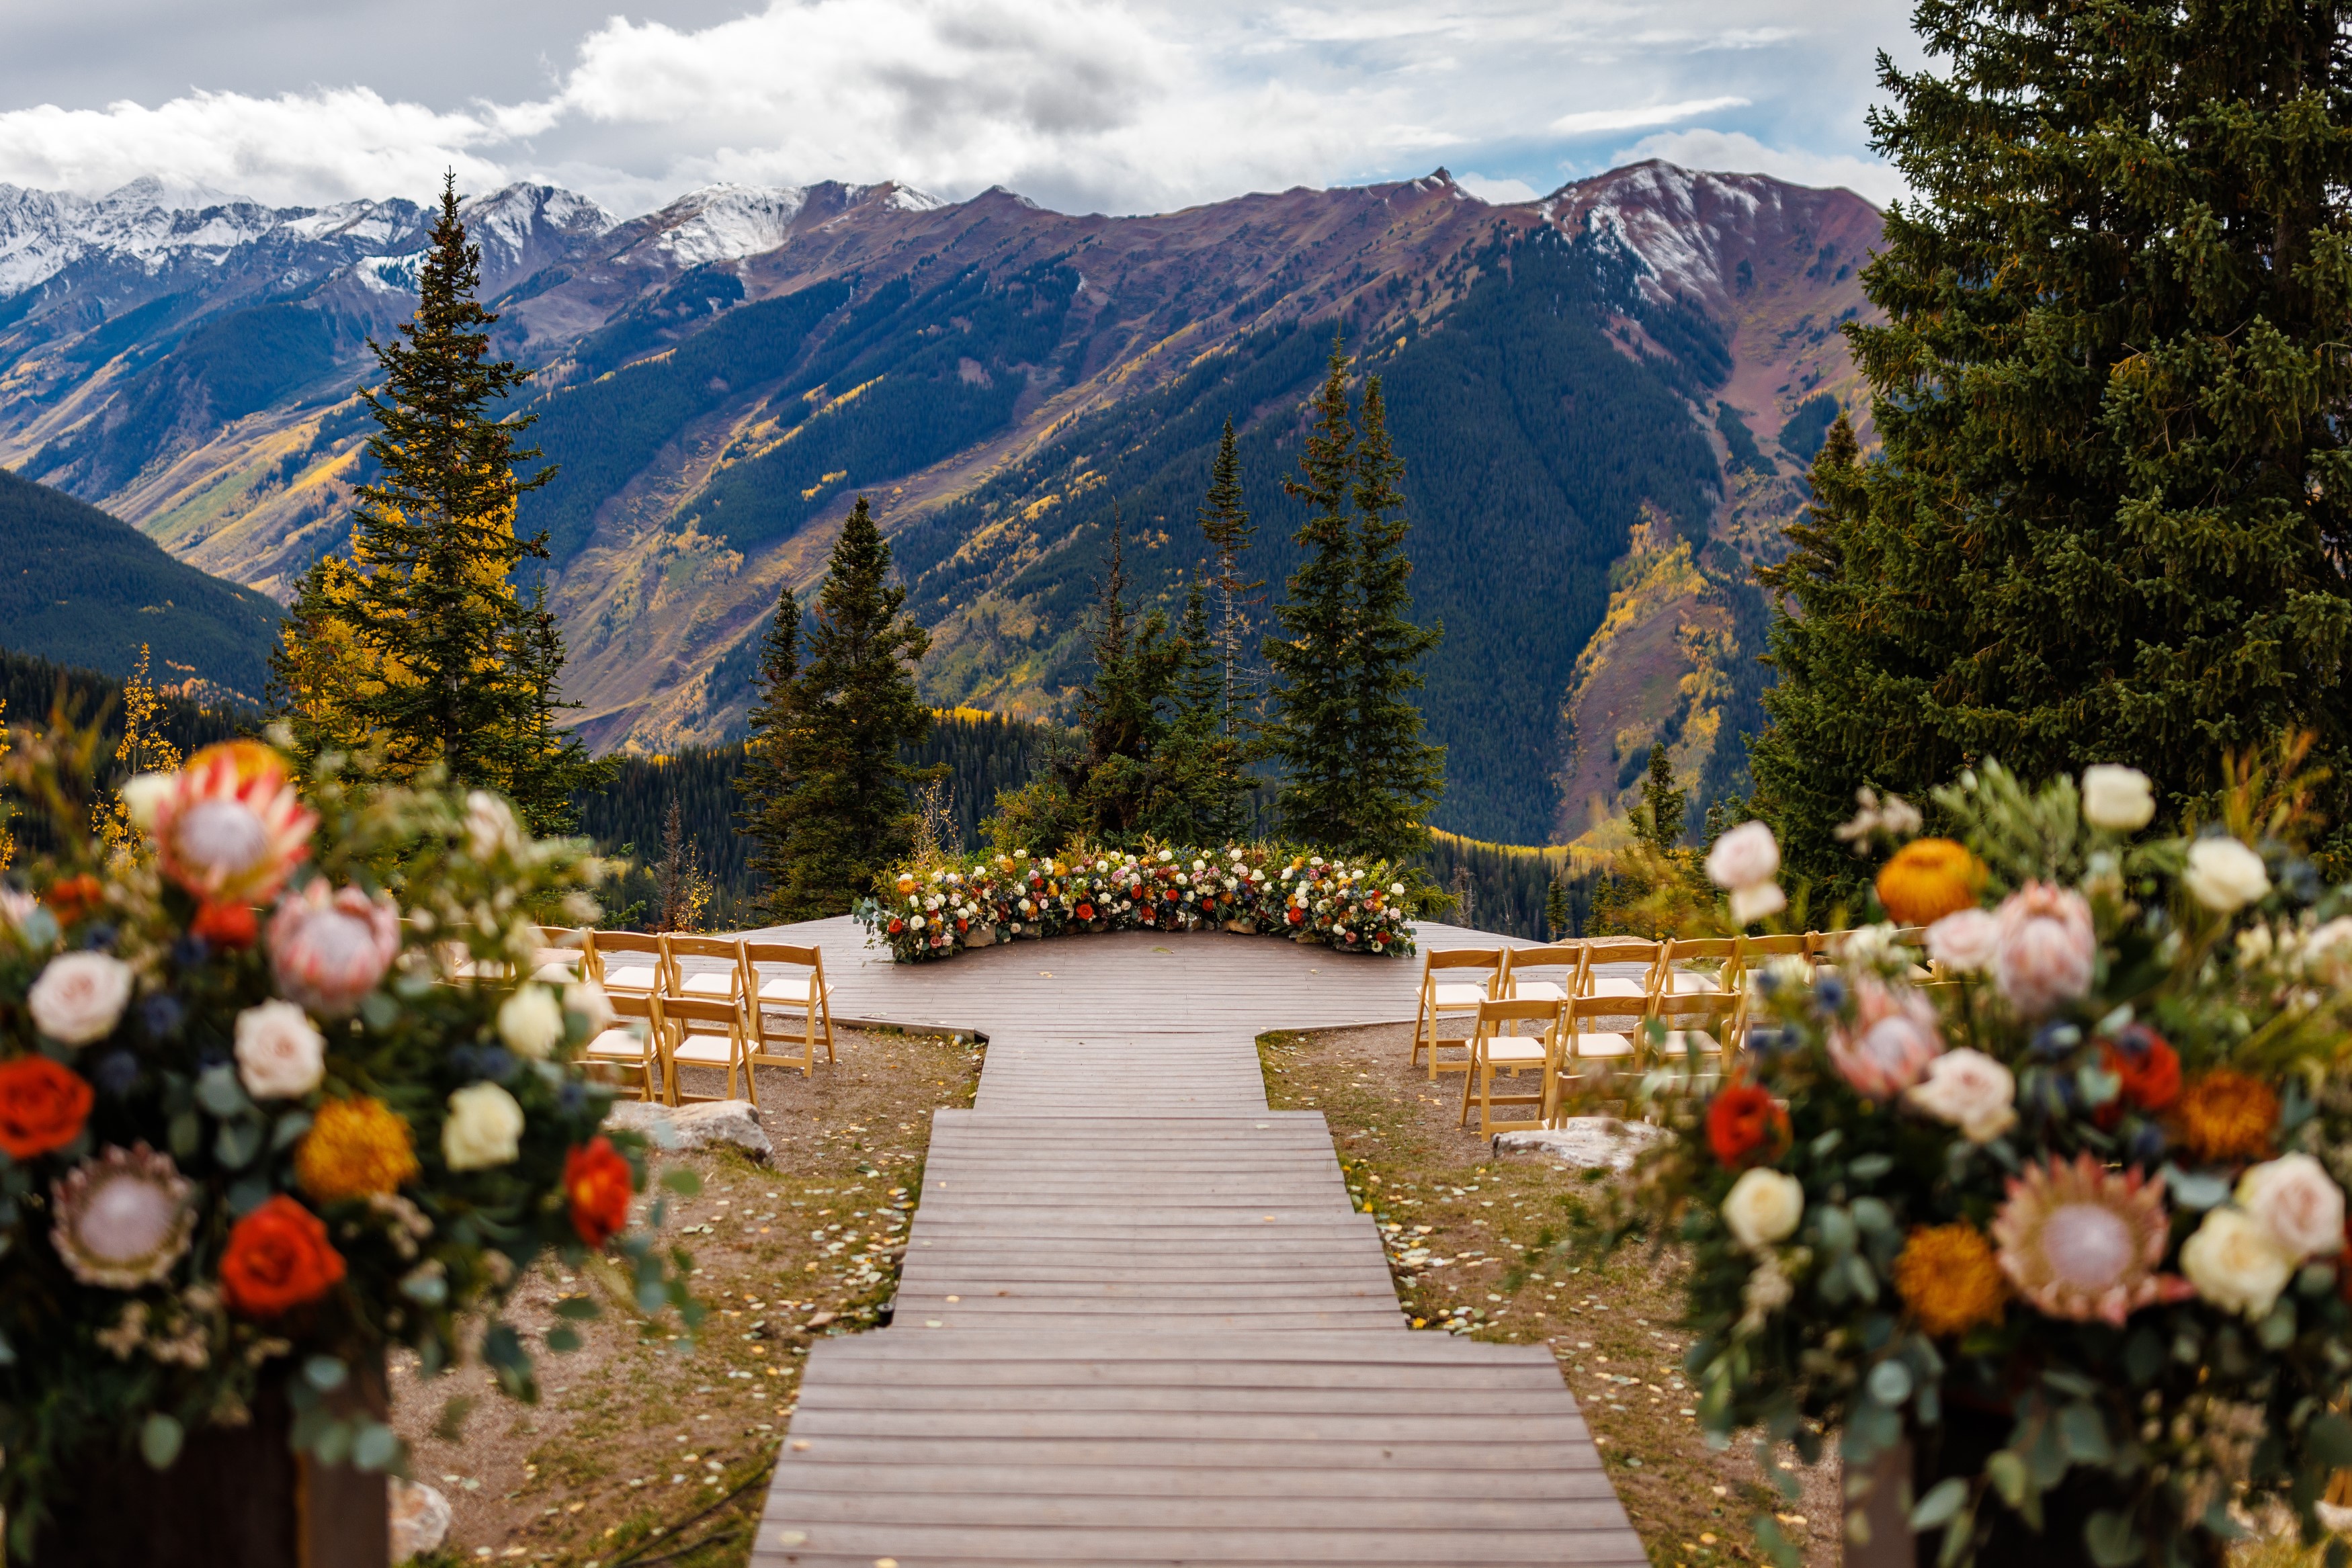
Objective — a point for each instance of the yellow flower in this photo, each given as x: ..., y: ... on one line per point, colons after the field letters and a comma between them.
x: 2226, y: 1116
x: 1950, y: 1279
x: 355, y: 1148
x: 1928, y: 879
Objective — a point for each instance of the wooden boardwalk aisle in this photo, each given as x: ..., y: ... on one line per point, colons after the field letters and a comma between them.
x: 1139, y: 1320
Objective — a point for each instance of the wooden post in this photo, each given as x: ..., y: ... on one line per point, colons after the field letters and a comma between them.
x: 1885, y: 1513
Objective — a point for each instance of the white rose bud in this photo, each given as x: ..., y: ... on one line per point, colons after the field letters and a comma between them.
x: 80, y: 997
x: 141, y: 793
x: 484, y: 1128
x: 1751, y: 904
x: 280, y: 1054
x: 1744, y: 857
x: 587, y: 999
x: 1968, y: 1090
x: 2294, y: 1200
x: 2118, y: 799
x: 1763, y: 1207
x: 2235, y: 1263
x: 2224, y: 874
x: 531, y: 1022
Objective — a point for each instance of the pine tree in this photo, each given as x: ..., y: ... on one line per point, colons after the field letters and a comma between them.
x: 1225, y: 523
x: 421, y: 643
x: 1400, y: 774
x: 771, y: 753
x: 855, y: 706
x: 1556, y: 911
x: 1312, y: 704
x: 2109, y: 523
x: 1200, y: 779
x: 1658, y: 821
x: 1357, y: 778
x: 681, y: 888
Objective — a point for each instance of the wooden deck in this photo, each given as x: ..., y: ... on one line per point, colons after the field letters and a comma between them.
x: 1140, y: 1322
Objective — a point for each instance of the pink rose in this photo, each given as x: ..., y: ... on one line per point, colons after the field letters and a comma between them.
x: 1965, y: 940
x: 1890, y: 1043
x: 330, y: 949
x: 2043, y: 947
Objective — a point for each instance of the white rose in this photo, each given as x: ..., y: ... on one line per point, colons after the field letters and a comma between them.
x: 489, y: 825
x: 1396, y: 889
x: 2294, y: 1200
x: 1763, y: 1207
x: 587, y: 999
x: 80, y: 998
x: 1968, y: 1090
x: 1965, y: 940
x: 530, y: 1021
x: 1744, y: 857
x: 2235, y: 1263
x: 2118, y: 799
x: 918, y: 921
x: 484, y: 1128
x: 141, y: 793
x: 2224, y: 874
x: 280, y: 1054
x: 1753, y: 902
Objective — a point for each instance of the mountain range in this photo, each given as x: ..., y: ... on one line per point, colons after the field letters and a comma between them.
x: 1604, y: 400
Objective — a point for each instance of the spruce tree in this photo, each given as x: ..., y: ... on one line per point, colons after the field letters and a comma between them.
x: 2109, y: 520
x: 1658, y: 821
x: 855, y: 704
x: 1200, y: 779
x: 1556, y: 911
x: 1400, y: 774
x: 421, y: 643
x: 771, y: 757
x: 1113, y: 783
x: 1225, y: 523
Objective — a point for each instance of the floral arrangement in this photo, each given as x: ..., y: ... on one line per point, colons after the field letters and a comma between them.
x: 277, y: 1090
x: 2043, y: 1216
x: 937, y: 908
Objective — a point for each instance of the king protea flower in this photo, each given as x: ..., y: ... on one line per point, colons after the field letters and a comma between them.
x: 123, y: 1219
x: 2080, y: 1241
x: 231, y: 828
x: 330, y: 948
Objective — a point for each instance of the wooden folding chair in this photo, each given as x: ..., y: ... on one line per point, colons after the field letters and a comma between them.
x: 1600, y: 950
x: 1522, y: 973
x: 1454, y: 1002
x: 562, y: 955
x: 1592, y: 1057
x: 1496, y: 1046
x: 725, y: 983
x: 703, y: 1031
x: 626, y: 962
x: 1701, y: 1025
x: 803, y: 987
x: 1719, y: 951
x: 631, y: 1045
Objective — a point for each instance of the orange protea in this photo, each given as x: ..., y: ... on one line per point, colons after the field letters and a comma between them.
x: 355, y: 1148
x: 1949, y: 1277
x: 1928, y: 879
x: 231, y: 828
x: 2080, y: 1241
x: 2225, y: 1116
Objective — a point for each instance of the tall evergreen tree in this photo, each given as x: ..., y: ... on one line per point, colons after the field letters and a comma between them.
x: 1225, y: 523
x: 421, y: 643
x: 1201, y: 775
x: 1658, y: 821
x: 771, y: 753
x: 855, y: 704
x: 2109, y: 523
x: 1358, y: 778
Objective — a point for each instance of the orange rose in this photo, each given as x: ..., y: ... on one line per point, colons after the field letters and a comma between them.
x: 225, y: 924
x: 42, y: 1107
x: 599, y: 1183
x: 73, y: 897
x: 279, y: 1258
x: 1928, y: 879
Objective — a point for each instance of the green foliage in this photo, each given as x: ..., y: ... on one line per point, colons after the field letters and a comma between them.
x: 1745, y: 453
x: 2109, y: 524
x: 1507, y: 888
x: 852, y: 709
x: 86, y: 590
x: 1357, y: 775
x: 774, y: 754
x: 1808, y: 426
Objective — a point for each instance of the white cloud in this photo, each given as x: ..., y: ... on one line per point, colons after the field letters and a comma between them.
x: 1734, y: 152
x: 1585, y: 121
x: 1120, y: 105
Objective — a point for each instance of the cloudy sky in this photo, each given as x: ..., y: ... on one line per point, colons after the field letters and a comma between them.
x: 1116, y: 106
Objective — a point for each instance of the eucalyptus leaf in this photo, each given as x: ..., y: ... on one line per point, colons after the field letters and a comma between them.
x: 325, y: 1373
x: 1870, y: 1168
x: 376, y: 1447
x: 237, y: 1144
x: 579, y: 1307
x: 2329, y: 1440
x: 186, y: 1135
x: 290, y: 1129
x: 334, y: 1443
x: 1890, y: 1383
x: 2007, y: 1471
x: 1834, y: 1226
x: 380, y: 1012
x: 2085, y: 1434
x: 2276, y: 1331
x: 682, y: 1180
x: 2111, y: 1539
x: 218, y: 1092
x: 158, y: 1440
x: 1872, y: 1214
x: 2188, y: 1189
x: 1942, y: 1501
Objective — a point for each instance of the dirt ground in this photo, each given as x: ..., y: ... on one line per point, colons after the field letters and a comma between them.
x: 1509, y: 1257
x: 656, y: 1452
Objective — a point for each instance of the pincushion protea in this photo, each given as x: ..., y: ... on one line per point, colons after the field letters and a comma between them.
x: 2080, y: 1241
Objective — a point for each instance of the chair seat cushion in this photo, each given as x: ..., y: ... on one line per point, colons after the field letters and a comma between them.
x: 713, y: 1049
x: 721, y: 984
x: 1457, y: 995
x: 1685, y: 984
x: 1598, y: 1045
x: 788, y: 988
x: 1515, y: 1048
x: 1537, y: 991
x: 630, y: 979
x: 1616, y: 986
x: 619, y: 1044
x: 1680, y: 1042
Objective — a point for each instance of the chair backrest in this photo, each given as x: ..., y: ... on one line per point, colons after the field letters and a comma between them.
x: 1515, y: 1009
x: 677, y: 1009
x: 676, y: 944
x: 784, y: 953
x: 1789, y: 945
x: 1620, y: 950
x: 1461, y: 959
x: 1567, y: 955
x: 1606, y: 1007
x: 637, y: 1005
x: 606, y: 944
x: 1675, y: 951
x: 1671, y: 1007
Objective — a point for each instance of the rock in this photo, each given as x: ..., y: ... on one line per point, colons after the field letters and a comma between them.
x: 731, y: 1123
x: 420, y: 1519
x: 981, y: 936
x: 1585, y: 1143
